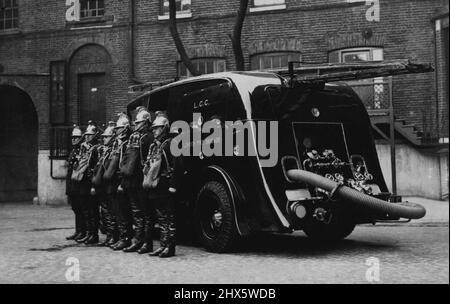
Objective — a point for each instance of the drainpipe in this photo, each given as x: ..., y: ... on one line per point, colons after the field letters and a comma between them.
x: 131, y: 33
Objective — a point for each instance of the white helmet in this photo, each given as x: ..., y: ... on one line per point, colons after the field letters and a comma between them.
x: 91, y: 128
x: 122, y: 121
x: 161, y: 120
x: 109, y: 131
x: 142, y: 115
x: 76, y: 131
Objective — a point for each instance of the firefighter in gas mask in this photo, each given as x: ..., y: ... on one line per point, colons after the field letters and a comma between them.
x: 103, y: 188
x: 82, y: 176
x: 162, y: 184
x: 72, y: 191
x: 131, y: 170
x: 112, y: 175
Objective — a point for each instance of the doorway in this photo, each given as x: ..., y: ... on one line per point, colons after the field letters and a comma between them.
x: 18, y: 145
x: 92, y: 101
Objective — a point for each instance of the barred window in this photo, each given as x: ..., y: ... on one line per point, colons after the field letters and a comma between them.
x: 203, y: 65
x: 92, y: 8
x: 9, y: 14
x: 182, y: 6
x: 270, y: 61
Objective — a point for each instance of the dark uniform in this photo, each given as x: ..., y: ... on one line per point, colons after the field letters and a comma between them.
x: 131, y: 171
x: 72, y: 191
x: 164, y: 194
x: 102, y: 190
x: 82, y: 175
x: 121, y: 208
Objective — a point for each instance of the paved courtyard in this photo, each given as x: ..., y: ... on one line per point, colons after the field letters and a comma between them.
x: 34, y: 250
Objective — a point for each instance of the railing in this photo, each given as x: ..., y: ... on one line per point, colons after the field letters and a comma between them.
x: 375, y: 93
x: 60, y: 142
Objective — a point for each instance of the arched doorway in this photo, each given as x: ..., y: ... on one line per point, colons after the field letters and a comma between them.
x: 89, y: 76
x: 18, y: 145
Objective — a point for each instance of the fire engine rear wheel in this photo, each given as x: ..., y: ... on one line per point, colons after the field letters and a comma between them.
x: 338, y: 228
x: 215, y: 217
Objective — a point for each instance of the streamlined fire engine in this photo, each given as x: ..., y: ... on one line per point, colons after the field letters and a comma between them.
x: 327, y: 177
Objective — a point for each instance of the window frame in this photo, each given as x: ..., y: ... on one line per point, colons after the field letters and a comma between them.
x: 215, y: 60
x: 61, y: 94
x: 272, y: 54
x: 179, y: 14
x: 14, y: 20
x: 97, y: 9
x: 370, y: 50
x: 266, y: 7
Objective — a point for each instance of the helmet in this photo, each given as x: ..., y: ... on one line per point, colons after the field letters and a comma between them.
x: 76, y: 132
x: 122, y: 121
x: 91, y: 128
x: 161, y: 120
x: 109, y: 131
x: 142, y: 115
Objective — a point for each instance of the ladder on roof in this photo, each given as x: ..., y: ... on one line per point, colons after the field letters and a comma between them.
x: 331, y: 72
x: 148, y: 86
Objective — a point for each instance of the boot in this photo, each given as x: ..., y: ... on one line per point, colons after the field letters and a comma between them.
x: 157, y: 251
x: 167, y: 252
x: 84, y: 238
x: 114, y: 239
x: 72, y: 236
x: 133, y: 247
x: 146, y: 248
x: 106, y: 241
x: 122, y: 244
x: 93, y: 239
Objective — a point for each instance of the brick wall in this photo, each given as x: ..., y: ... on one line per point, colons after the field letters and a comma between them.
x: 313, y: 28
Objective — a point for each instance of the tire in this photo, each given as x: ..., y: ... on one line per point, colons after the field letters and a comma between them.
x: 215, y: 217
x: 338, y: 229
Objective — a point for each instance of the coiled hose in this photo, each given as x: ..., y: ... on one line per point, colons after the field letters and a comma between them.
x: 403, y: 210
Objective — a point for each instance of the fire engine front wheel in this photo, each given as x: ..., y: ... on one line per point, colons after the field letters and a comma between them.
x: 334, y: 228
x: 215, y: 217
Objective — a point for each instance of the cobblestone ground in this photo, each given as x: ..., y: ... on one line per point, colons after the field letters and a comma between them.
x: 34, y: 250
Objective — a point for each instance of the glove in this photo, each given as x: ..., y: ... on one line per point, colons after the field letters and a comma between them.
x: 93, y: 191
x: 119, y: 189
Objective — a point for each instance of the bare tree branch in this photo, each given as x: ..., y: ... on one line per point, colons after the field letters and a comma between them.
x: 236, y: 38
x: 176, y: 38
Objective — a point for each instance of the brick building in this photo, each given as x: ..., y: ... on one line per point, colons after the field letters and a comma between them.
x: 55, y: 72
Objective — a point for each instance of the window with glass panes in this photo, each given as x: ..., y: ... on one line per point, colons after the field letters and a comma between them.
x: 203, y: 65
x: 9, y: 14
x: 92, y: 8
x: 373, y: 92
x: 182, y: 6
x: 270, y: 61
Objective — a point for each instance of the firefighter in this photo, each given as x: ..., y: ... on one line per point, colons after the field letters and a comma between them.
x: 112, y: 174
x: 72, y: 192
x: 163, y: 194
x: 131, y: 170
x: 102, y: 187
x: 82, y: 175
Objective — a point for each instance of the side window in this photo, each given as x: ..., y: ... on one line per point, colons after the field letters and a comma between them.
x: 212, y: 98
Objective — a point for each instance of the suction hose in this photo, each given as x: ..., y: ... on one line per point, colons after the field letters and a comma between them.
x: 404, y: 210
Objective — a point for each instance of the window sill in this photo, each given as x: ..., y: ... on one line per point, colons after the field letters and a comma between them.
x: 10, y: 32
x: 179, y: 16
x: 267, y: 8
x: 100, y: 21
